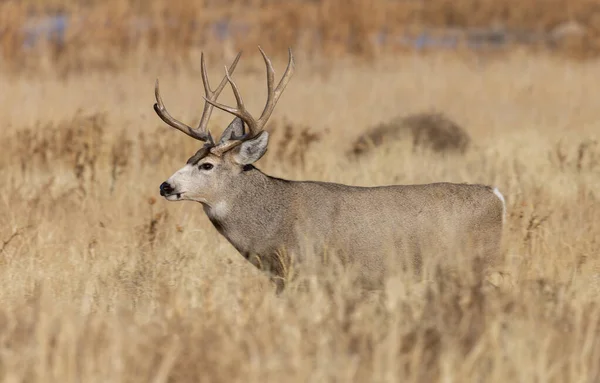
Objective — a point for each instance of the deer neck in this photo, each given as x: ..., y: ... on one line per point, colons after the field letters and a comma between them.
x: 250, y: 210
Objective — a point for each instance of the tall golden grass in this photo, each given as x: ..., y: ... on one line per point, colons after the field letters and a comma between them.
x: 101, y: 280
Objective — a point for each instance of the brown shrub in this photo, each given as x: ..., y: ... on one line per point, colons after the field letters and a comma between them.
x: 74, y: 143
x: 291, y: 142
x: 433, y: 131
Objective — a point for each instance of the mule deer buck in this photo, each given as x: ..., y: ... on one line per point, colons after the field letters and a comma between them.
x: 265, y: 217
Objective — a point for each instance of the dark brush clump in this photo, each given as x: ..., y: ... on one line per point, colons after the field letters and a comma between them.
x: 432, y: 131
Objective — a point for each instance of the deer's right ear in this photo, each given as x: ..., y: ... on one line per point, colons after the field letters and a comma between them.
x: 233, y: 131
x: 252, y: 150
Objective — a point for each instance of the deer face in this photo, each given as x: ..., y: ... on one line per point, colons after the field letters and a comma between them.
x: 197, y: 180
x: 209, y: 175
x: 214, y: 170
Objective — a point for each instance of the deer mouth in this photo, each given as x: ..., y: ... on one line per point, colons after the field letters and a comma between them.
x: 174, y: 196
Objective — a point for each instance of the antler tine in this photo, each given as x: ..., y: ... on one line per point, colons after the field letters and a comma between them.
x: 255, y: 126
x: 241, y: 110
x: 210, y: 94
x: 273, y: 95
x: 201, y: 132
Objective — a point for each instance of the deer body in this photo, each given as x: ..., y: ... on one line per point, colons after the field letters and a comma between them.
x: 362, y: 224
x: 271, y: 221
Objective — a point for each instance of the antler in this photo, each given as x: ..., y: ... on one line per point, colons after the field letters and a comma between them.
x: 256, y: 126
x: 201, y: 132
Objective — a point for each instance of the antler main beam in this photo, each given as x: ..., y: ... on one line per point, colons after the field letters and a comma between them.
x: 201, y: 132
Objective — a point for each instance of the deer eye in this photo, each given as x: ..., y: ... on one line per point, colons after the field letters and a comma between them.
x: 206, y: 166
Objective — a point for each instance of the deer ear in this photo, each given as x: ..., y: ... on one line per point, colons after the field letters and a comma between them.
x: 234, y: 130
x: 252, y: 150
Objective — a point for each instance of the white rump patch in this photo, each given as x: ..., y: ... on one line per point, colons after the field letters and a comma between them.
x: 501, y: 197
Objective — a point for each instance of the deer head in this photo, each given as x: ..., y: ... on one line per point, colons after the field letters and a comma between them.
x: 216, y: 167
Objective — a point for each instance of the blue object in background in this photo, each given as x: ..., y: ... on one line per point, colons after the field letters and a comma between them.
x: 53, y: 29
x: 50, y: 28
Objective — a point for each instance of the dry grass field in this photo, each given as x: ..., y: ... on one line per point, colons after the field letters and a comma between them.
x: 101, y: 280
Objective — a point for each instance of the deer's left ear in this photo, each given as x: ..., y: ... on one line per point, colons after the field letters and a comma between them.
x: 252, y: 150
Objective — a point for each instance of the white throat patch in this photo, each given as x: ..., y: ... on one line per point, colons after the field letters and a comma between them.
x: 219, y: 210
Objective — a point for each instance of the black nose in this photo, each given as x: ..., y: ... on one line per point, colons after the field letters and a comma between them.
x: 165, y: 189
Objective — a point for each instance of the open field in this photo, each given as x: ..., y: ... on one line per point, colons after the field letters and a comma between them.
x: 101, y: 280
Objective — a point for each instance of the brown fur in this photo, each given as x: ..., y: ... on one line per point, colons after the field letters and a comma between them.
x: 268, y: 217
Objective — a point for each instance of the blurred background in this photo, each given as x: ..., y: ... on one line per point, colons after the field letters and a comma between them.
x: 80, y: 34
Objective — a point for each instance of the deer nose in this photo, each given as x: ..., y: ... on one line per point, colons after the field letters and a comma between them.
x: 165, y: 189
